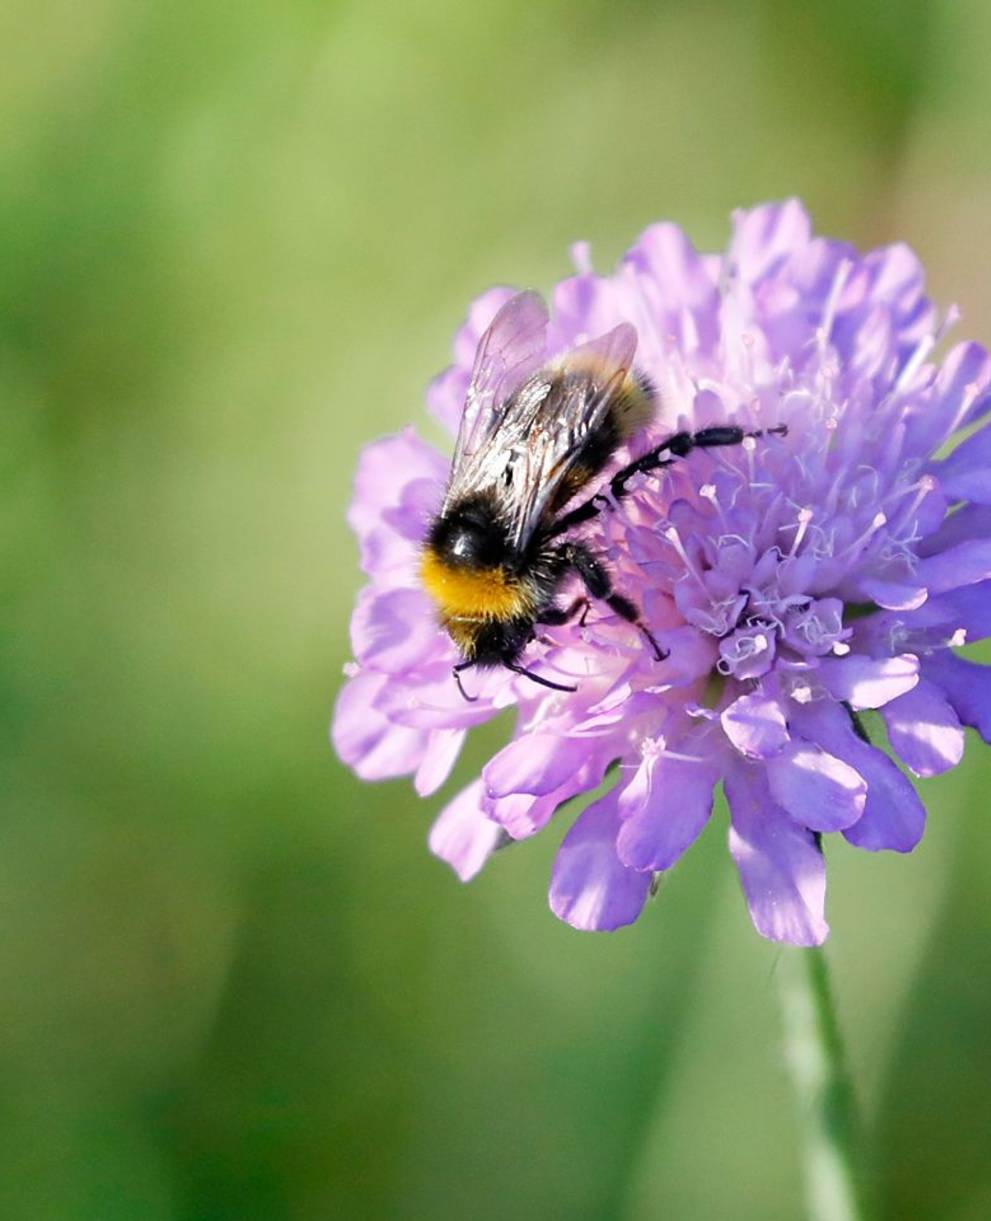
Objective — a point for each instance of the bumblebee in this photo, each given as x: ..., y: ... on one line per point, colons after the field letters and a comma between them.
x: 534, y: 434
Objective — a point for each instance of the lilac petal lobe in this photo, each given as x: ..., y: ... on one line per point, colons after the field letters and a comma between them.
x: 446, y: 396
x: 959, y: 396
x: 868, y: 682
x: 666, y: 254
x: 443, y: 748
x: 369, y: 742
x: 924, y: 731
x: 965, y: 564
x: 756, y: 725
x: 590, y: 887
x: 966, y: 473
x: 394, y: 630
x: 524, y: 814
x: 462, y: 835
x: 894, y: 818
x: 376, y: 486
x: 818, y: 790
x: 781, y: 868
x: 664, y: 814
x: 967, y: 609
x: 768, y: 234
x: 429, y: 699
x: 535, y: 763
x: 583, y: 305
x: 892, y: 595
x: 967, y: 523
x: 966, y: 685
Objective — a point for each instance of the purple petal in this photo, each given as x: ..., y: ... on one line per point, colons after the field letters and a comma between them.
x: 419, y: 500
x: 663, y: 808
x: 675, y: 285
x: 818, y: 790
x: 462, y: 835
x: 366, y: 740
x: 870, y: 342
x: 892, y: 595
x: 781, y: 868
x: 523, y: 814
x: 590, y: 888
x: 443, y: 748
x: 766, y: 236
x: 965, y: 564
x: 897, y: 277
x: 924, y: 731
x: 428, y: 698
x: 894, y: 817
x: 393, y: 631
x: 967, y: 523
x: 384, y: 469
x: 967, y: 685
x: 535, y: 763
x: 959, y: 617
x: 446, y: 396
x: 958, y: 397
x: 583, y: 305
x: 966, y: 473
x: 967, y: 610
x: 664, y: 252
x: 882, y: 312
x: 756, y: 725
x: 868, y: 682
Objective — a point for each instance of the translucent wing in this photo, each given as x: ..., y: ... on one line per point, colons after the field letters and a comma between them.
x: 514, y: 345
x: 547, y: 434
x: 538, y: 434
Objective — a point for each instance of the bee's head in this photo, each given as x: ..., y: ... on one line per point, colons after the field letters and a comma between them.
x: 469, y: 535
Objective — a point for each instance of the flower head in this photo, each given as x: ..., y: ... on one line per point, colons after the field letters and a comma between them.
x: 794, y: 581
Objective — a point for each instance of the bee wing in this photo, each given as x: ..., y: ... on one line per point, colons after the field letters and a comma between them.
x: 510, y: 350
x: 555, y: 429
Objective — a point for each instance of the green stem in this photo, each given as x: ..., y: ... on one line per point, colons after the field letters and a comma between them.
x: 832, y: 1147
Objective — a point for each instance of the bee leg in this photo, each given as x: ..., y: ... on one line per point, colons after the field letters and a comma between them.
x: 542, y: 682
x: 626, y: 610
x: 456, y: 672
x: 585, y: 512
x: 680, y: 445
x: 555, y: 615
x: 599, y: 585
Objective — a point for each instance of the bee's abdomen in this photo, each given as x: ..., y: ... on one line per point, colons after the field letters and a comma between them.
x: 633, y: 407
x: 473, y: 593
x: 630, y: 410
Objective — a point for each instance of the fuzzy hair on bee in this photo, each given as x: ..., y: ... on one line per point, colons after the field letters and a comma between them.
x: 535, y: 433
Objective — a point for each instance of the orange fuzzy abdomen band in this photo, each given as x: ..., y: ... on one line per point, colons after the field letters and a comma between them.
x: 464, y: 593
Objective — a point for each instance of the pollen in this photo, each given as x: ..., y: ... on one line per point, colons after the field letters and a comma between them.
x: 472, y: 593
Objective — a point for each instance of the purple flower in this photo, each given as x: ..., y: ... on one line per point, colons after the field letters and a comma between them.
x: 794, y: 580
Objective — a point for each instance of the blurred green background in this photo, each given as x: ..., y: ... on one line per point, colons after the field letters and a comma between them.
x: 235, y: 241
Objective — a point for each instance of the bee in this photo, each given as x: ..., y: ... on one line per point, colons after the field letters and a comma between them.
x: 533, y: 436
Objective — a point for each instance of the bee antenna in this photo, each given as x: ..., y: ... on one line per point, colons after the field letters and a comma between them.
x: 543, y: 682
x: 456, y: 672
